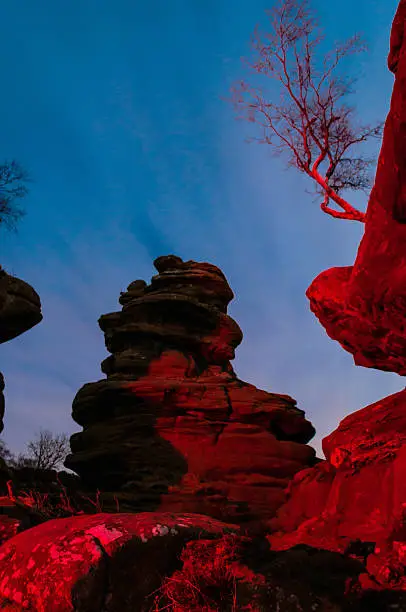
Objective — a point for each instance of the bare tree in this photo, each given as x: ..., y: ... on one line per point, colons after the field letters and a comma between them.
x: 48, y: 451
x: 12, y: 187
x: 311, y: 122
x: 45, y: 453
x: 5, y: 452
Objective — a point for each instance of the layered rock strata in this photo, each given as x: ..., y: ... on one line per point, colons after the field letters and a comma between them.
x: 172, y: 426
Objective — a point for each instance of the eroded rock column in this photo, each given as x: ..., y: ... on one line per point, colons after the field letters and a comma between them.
x: 172, y: 426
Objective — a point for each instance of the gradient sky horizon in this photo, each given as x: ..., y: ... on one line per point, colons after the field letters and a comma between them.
x: 116, y: 110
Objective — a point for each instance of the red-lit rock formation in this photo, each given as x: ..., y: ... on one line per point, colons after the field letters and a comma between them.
x: 161, y: 561
x: 96, y: 562
x: 172, y: 426
x: 364, y: 306
x: 355, y: 501
x: 358, y: 493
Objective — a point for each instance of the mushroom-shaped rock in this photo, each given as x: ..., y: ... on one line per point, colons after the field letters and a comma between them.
x: 20, y: 310
x: 20, y: 307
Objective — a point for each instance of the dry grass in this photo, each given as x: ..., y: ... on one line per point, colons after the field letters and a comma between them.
x: 203, y: 585
x: 210, y: 580
x: 199, y: 602
x: 41, y: 504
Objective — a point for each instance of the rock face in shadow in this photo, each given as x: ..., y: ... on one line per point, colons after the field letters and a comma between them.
x: 20, y: 310
x: 172, y: 426
x: 364, y: 306
x: 20, y: 307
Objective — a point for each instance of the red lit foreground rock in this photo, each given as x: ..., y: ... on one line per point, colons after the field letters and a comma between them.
x: 364, y: 306
x: 172, y: 426
x: 358, y: 493
x: 161, y: 561
x: 114, y: 561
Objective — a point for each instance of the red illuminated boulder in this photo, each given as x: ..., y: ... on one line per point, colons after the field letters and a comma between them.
x: 97, y: 562
x: 162, y: 561
x: 364, y: 306
x: 172, y: 427
x: 357, y: 495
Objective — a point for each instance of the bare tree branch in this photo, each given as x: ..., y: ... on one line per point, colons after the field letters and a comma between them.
x: 47, y: 452
x: 311, y: 122
x: 12, y: 187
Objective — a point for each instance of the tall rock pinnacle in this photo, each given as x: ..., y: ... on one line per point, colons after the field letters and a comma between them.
x: 172, y: 427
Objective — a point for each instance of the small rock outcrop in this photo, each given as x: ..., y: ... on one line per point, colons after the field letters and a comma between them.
x: 358, y: 493
x: 364, y: 306
x: 361, y: 482
x: 20, y: 307
x: 20, y: 310
x: 172, y: 426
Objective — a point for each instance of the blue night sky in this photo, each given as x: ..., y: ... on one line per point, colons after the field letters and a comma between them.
x: 116, y: 110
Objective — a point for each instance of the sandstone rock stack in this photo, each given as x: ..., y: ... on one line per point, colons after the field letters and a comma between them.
x: 172, y: 427
x: 360, y: 490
